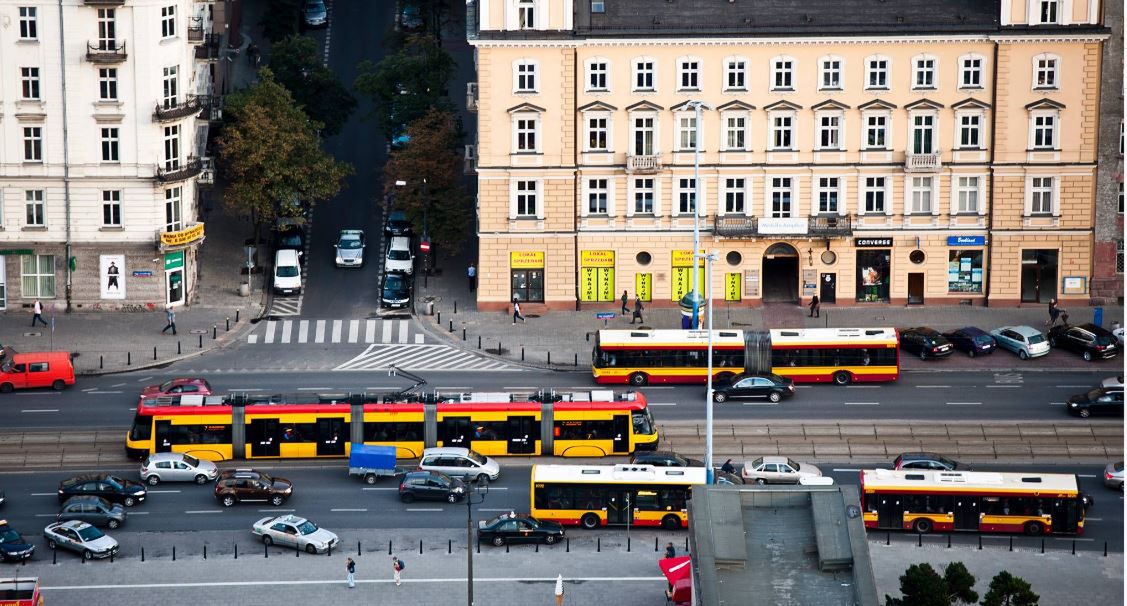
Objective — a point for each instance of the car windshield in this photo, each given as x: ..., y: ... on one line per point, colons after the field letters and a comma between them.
x: 775, y: 378
x: 291, y: 240
x: 349, y: 243
x: 393, y: 282
x: 1034, y: 339
x: 398, y: 255
x: 984, y: 339
x: 1095, y: 394
x: 166, y: 386
x: 115, y: 482
x: 681, y: 461
x: 1104, y: 340
x: 190, y: 460
x: 266, y: 478
x: 9, y: 536
x: 793, y: 465
x: 90, y: 533
x: 947, y: 462
x: 287, y: 271
x: 1118, y: 466
x: 307, y: 527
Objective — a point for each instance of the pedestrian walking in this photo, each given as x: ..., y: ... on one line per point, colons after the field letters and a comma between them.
x: 516, y: 312
x: 815, y: 303
x: 727, y: 467
x: 1054, y: 312
x: 670, y: 551
x: 38, y: 317
x: 351, y: 567
x: 637, y: 310
x: 170, y: 317
x: 625, y: 300
x: 471, y: 275
x: 396, y: 568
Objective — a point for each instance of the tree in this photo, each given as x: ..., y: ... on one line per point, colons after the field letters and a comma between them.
x: 431, y: 155
x: 1008, y: 590
x: 269, y: 154
x: 297, y: 66
x: 281, y: 18
x: 921, y: 585
x: 406, y: 85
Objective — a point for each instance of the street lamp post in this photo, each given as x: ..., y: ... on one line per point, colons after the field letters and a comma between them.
x: 697, y: 106
x: 708, y: 259
x: 482, y: 491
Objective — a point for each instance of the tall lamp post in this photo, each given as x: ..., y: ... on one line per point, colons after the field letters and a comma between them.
x: 708, y: 260
x: 482, y: 489
x: 694, y: 298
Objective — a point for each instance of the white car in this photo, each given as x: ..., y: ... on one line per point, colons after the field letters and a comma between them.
x: 80, y: 537
x: 1115, y: 382
x: 296, y: 532
x: 399, y: 258
x: 777, y: 470
x: 177, y: 467
x: 287, y: 272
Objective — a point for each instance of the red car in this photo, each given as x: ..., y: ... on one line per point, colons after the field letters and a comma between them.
x: 185, y: 385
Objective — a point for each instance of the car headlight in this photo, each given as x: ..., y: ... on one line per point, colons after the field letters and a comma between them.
x: 460, y: 489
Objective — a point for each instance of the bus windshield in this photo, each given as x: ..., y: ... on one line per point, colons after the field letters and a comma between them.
x: 643, y: 422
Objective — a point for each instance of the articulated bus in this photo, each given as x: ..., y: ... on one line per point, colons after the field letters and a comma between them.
x: 922, y: 501
x: 219, y: 428
x: 600, y: 495
x: 806, y: 355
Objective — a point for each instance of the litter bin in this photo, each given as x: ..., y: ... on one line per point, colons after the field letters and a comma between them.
x: 1098, y: 316
x: 430, y: 308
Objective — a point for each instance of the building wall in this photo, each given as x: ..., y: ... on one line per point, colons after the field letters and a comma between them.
x: 1107, y: 266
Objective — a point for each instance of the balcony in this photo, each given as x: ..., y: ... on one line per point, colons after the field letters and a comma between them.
x: 830, y: 226
x: 207, y: 174
x: 643, y: 165
x: 208, y: 49
x: 922, y: 163
x: 195, y: 35
x: 471, y: 96
x: 182, y: 172
x: 178, y: 109
x: 103, y: 3
x: 734, y: 227
x: 105, y: 52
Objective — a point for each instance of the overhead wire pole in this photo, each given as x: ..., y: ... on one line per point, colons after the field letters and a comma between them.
x: 697, y: 106
x: 708, y: 259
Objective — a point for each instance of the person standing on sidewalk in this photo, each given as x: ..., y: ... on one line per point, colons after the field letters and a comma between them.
x: 471, y: 275
x: 396, y: 568
x: 1054, y: 312
x: 516, y: 312
x: 351, y: 567
x: 38, y: 317
x: 625, y: 300
x: 815, y: 302
x: 170, y: 317
x: 637, y: 310
x: 670, y: 551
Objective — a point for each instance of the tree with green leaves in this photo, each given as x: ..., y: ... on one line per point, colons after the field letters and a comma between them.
x: 405, y: 85
x: 921, y: 585
x: 1008, y: 590
x: 296, y: 63
x: 281, y: 18
x: 270, y: 156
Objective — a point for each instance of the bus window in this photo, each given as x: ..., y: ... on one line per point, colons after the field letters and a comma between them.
x: 142, y: 428
x: 646, y: 500
x: 588, y: 497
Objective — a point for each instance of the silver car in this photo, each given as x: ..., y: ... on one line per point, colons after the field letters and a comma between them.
x: 177, y: 467
x: 778, y: 470
x: 80, y: 537
x: 1025, y: 341
x: 315, y: 13
x: 350, y: 248
x: 1113, y: 475
x: 292, y: 531
x: 462, y: 463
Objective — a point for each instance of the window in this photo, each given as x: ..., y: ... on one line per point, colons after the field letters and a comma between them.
x: 1044, y: 131
x: 168, y: 21
x: 924, y: 72
x: 735, y: 133
x: 782, y: 73
x: 876, y: 131
x: 35, y: 209
x: 686, y: 196
x: 29, y: 82
x: 735, y: 73
x: 643, y: 196
x: 970, y: 131
x: 597, y: 134
x: 598, y: 6
x: 526, y: 205
x: 688, y: 74
x: 644, y: 74
x: 111, y: 208
x: 33, y: 144
x: 1045, y: 71
x: 172, y: 147
x: 923, y: 131
x: 828, y: 191
x: 107, y: 83
x: 28, y: 27
x: 107, y: 30
x: 525, y: 133
x: 597, y: 197
x: 525, y: 77
x: 921, y: 195
x: 109, y: 145
x: 597, y: 75
x: 643, y: 136
x: 1047, y: 11
x: 687, y: 132
x: 527, y: 285
x: 964, y: 271
x: 831, y: 74
x: 170, y: 97
x: 874, y: 195
x: 781, y: 197
x: 526, y: 14
x: 782, y: 131
x: 37, y: 276
x: 829, y: 131
x: 1121, y: 197
x: 734, y: 192
x: 1119, y: 253
x: 876, y: 69
x: 970, y: 71
x: 172, y: 210
x: 1041, y: 202
x: 966, y: 195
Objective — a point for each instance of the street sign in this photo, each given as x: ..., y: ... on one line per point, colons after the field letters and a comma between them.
x: 424, y: 246
x: 605, y: 315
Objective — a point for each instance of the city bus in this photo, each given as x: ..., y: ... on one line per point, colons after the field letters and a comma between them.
x: 602, y: 495
x: 220, y: 428
x: 923, y: 501
x: 806, y: 355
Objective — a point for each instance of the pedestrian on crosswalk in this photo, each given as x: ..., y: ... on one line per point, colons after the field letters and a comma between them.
x: 516, y: 312
x: 471, y: 274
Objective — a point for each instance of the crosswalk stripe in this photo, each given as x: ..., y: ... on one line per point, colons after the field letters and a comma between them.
x: 336, y: 330
x: 422, y: 357
x: 287, y: 328
x: 303, y: 331
x: 386, y: 336
x: 319, y: 337
x: 270, y: 325
x: 369, y: 331
x: 252, y: 339
x: 353, y: 330
x: 403, y: 331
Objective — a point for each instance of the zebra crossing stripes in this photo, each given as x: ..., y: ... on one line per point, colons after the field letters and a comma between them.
x: 285, y: 306
x: 416, y: 357
x: 336, y: 331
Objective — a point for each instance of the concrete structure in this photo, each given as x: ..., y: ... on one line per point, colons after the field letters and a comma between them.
x: 1107, y: 256
x: 783, y: 545
x: 104, y: 111
x: 909, y: 152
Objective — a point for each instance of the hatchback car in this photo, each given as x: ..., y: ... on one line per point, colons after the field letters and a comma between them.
x: 314, y: 14
x: 767, y: 386
x: 928, y: 460
x: 1025, y: 341
x: 664, y: 458
x: 972, y: 340
x: 431, y: 486
x: 506, y: 528
x: 399, y: 259
x: 1099, y: 401
x: 395, y: 292
x: 239, y: 485
x: 13, y: 547
x: 177, y: 467
x: 778, y: 470
x: 109, y: 487
x: 178, y: 386
x: 925, y: 342
x: 80, y: 537
x: 95, y: 511
x: 1116, y: 382
x: 296, y: 532
x: 464, y: 463
x: 397, y: 224
x: 1088, y: 340
x: 1113, y: 475
x: 350, y: 248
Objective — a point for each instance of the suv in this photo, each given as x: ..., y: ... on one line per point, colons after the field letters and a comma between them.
x: 111, y: 488
x: 660, y: 458
x: 927, y: 460
x: 431, y: 485
x: 460, y: 462
x: 1090, y: 341
x: 399, y: 258
x: 237, y: 485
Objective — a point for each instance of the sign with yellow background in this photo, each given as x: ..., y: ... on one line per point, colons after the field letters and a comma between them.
x: 596, y: 258
x: 684, y: 258
x: 732, y: 283
x: 526, y: 259
x: 182, y: 237
x: 682, y: 281
x: 643, y: 283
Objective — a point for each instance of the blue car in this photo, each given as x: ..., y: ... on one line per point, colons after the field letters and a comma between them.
x: 972, y: 340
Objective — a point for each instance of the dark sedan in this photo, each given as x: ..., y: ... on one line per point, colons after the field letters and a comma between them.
x: 1099, y: 401
x: 109, y: 487
x: 520, y: 529
x: 95, y: 511
x: 13, y: 547
x: 925, y: 342
x: 397, y: 224
x: 767, y: 386
x: 1090, y: 341
x: 972, y: 340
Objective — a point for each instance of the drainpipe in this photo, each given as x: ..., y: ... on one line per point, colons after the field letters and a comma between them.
x: 66, y: 152
x: 993, y: 150
x: 577, y: 187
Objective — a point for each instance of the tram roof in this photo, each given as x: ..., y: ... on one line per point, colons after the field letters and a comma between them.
x: 619, y: 474
x: 962, y: 481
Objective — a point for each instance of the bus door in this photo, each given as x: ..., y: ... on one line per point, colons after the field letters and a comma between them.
x: 966, y: 512
x: 1066, y: 514
x: 890, y: 511
x: 619, y: 510
x: 456, y: 431
x: 263, y: 436
x: 621, y: 436
x: 163, y: 441
x: 522, y: 435
x: 331, y: 435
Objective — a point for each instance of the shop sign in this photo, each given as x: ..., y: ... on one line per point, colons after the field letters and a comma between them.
x: 684, y: 258
x: 732, y: 286
x: 596, y: 258
x: 872, y: 242
x: 142, y: 273
x: 783, y: 225
x: 16, y: 251
x: 182, y: 237
x: 751, y: 282
x: 526, y: 259
x: 966, y: 240
x: 174, y: 260
x: 642, y: 284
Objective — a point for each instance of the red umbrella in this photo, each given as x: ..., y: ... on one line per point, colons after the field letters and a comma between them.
x: 676, y: 569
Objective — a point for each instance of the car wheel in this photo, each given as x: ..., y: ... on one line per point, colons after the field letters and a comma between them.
x: 1022, y: 354
x: 1034, y: 529
x: 638, y: 379
x: 113, y: 524
x: 1052, y: 341
x: 498, y: 541
x: 842, y: 378
x: 201, y: 479
x: 1084, y: 412
x: 970, y: 352
x: 58, y: 385
x: 550, y: 539
x: 761, y: 481
x: 228, y: 500
x: 129, y: 502
x: 370, y: 479
x: 310, y: 549
x: 670, y: 522
x: 407, y: 497
x: 6, y: 387
x: 589, y: 521
x: 1087, y: 356
x: 152, y: 480
x: 277, y: 500
x: 267, y: 540
x: 774, y: 396
x: 89, y: 555
x: 452, y: 498
x: 719, y: 397
x: 482, y: 479
x: 922, y: 525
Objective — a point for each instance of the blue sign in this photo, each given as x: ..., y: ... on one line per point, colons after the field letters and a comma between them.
x: 142, y: 274
x: 966, y: 240
x: 605, y: 315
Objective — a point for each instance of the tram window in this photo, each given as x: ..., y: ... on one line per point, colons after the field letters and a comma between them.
x: 194, y: 434
x: 299, y: 432
x: 491, y: 430
x: 142, y: 428
x: 584, y: 430
x: 393, y: 432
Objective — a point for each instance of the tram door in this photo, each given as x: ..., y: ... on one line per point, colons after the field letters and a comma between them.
x: 457, y: 431
x: 890, y: 512
x: 163, y: 440
x: 621, y: 434
x: 331, y: 436
x: 966, y: 512
x: 263, y: 436
x: 522, y: 435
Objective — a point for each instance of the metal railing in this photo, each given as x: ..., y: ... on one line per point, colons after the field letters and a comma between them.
x: 208, y: 49
x: 105, y: 51
x: 734, y: 226
x: 738, y: 226
x: 830, y: 226
x: 195, y: 34
x: 182, y: 171
x: 193, y: 104
x: 471, y: 96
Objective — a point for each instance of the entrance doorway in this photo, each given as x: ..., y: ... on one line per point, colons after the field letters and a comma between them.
x: 915, y: 289
x: 1038, y: 276
x: 780, y: 274
x: 827, y: 288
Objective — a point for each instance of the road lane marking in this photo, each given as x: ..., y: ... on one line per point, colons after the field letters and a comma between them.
x: 964, y: 403
x: 862, y: 386
x: 505, y: 509
x: 1073, y: 386
x: 90, y: 389
x: 1086, y: 475
x: 1004, y: 386
x: 1086, y: 519
x: 276, y: 510
x: 44, y: 494
x: 1057, y: 403
x: 163, y: 491
x: 319, y: 333
x: 759, y: 403
x: 369, y: 331
x: 933, y: 386
x: 117, y: 384
x: 37, y: 393
x: 312, y: 388
x: 846, y: 469
x: 103, y: 392
x: 40, y: 410
x: 424, y: 509
x: 205, y: 511
x: 287, y: 331
x: 380, y: 488
x: 336, y: 330
x: 141, y: 380
x: 353, y: 330
x: 303, y: 331
x: 246, y: 389
x: 418, y: 338
x: 271, y: 326
x: 403, y: 331
x: 252, y: 339
x: 356, y: 510
x: 385, y: 331
x: 663, y: 403
x: 862, y: 403
x: 455, y: 387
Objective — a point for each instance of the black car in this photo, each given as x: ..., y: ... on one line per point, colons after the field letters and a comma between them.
x: 925, y: 342
x: 726, y: 479
x: 520, y: 529
x: 1090, y: 341
x: 1099, y: 401
x: 13, y: 547
x: 664, y: 458
x: 432, y: 486
x: 291, y: 237
x: 95, y: 511
x: 396, y: 291
x: 751, y: 385
x: 972, y: 340
x: 397, y: 224
x: 109, y: 487
x: 928, y: 460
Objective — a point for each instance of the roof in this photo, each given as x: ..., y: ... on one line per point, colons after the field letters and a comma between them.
x: 1020, y: 329
x: 628, y: 473
x: 960, y: 481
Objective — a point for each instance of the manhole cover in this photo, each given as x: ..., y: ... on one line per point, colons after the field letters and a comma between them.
x: 198, y: 331
x: 33, y: 334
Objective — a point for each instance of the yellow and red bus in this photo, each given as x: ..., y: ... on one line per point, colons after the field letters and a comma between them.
x: 604, y: 495
x: 806, y: 355
x: 219, y: 428
x: 923, y: 501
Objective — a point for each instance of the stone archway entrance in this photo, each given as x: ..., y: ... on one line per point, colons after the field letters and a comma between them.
x: 780, y: 274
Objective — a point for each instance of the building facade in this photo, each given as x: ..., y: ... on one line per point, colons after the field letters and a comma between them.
x: 1107, y: 266
x: 104, y: 113
x: 911, y: 153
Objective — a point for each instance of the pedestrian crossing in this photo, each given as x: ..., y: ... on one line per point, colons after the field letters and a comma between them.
x: 423, y: 357
x: 285, y: 306
x: 369, y: 331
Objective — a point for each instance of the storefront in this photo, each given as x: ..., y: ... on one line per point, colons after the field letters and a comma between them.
x: 1039, y: 269
x: 682, y: 272
x: 596, y: 276
x: 965, y: 264
x: 174, y: 278
x: 874, y: 269
x: 526, y: 275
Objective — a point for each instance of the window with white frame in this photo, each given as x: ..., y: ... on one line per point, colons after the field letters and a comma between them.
x: 970, y: 71
x: 687, y: 132
x: 598, y: 6
x: 966, y: 195
x: 107, y: 29
x: 1048, y: 11
x: 168, y: 21
x: 876, y: 72
x: 688, y: 73
x: 781, y: 197
x: 829, y: 188
x: 29, y: 83
x: 923, y: 71
x: 734, y: 191
x: 526, y: 199
x: 876, y: 131
x: 37, y: 276
x: 644, y: 74
x: 526, y: 14
x: 1041, y: 195
x: 111, y: 208
x: 874, y: 190
x: 597, y: 132
x: 735, y: 132
x: 173, y: 212
x: 1045, y: 71
x: 110, y: 145
x: 970, y: 131
x: 525, y: 76
x: 1044, y: 127
x: 597, y: 74
x: 782, y: 73
x: 29, y: 29
x: 921, y: 191
x: 172, y: 147
x: 33, y: 144
x: 735, y: 73
x: 170, y: 96
x: 643, y: 196
x: 107, y: 83
x: 830, y: 77
x: 829, y: 130
x: 35, y: 208
x: 686, y: 196
x: 643, y: 142
x: 923, y: 134
x: 782, y: 131
x: 598, y: 194
x: 526, y: 128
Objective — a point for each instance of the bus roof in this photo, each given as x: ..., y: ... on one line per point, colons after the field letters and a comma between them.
x: 964, y: 481
x: 828, y: 336
x: 661, y: 339
x: 618, y: 474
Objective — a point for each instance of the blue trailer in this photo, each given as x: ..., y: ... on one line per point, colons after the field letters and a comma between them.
x: 373, y: 462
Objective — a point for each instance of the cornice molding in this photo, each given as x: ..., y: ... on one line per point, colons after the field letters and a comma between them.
x: 571, y: 42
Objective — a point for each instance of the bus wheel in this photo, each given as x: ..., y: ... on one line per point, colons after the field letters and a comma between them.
x: 589, y: 521
x: 670, y: 522
x: 638, y: 379
x: 922, y: 525
x: 842, y: 378
x: 1034, y: 529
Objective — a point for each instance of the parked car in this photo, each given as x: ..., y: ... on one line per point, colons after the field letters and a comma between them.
x: 395, y: 292
x: 1118, y: 332
x: 296, y: 532
x: 399, y: 259
x: 463, y: 463
x: 411, y: 18
x: 752, y: 385
x: 928, y: 460
x: 13, y: 547
x: 519, y: 529
x: 175, y: 387
x: 240, y: 485
x: 664, y: 458
x: 80, y: 537
x: 109, y: 487
x: 350, y: 248
x: 1099, y: 401
x: 972, y: 340
x: 1025, y: 341
x: 925, y: 342
x: 314, y: 13
x: 431, y: 486
x: 95, y: 511
x: 1088, y: 340
x: 1113, y: 475
x: 1116, y: 381
x: 397, y: 224
x: 36, y: 369
x: 290, y: 237
x: 725, y: 478
x: 287, y: 272
x: 1, y: 497
x: 778, y: 470
x: 177, y: 467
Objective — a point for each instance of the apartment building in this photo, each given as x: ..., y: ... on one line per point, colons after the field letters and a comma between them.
x: 908, y: 152
x: 104, y: 113
x: 1107, y: 264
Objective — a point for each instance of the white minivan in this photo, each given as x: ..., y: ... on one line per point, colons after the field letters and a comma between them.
x: 399, y: 258
x: 287, y: 272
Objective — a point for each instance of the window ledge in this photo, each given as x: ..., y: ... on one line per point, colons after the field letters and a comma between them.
x: 527, y: 153
x: 27, y: 41
x: 1046, y: 88
x: 876, y: 149
x: 976, y: 87
x: 782, y: 89
x: 877, y: 88
x: 741, y: 150
x: 688, y: 90
x: 923, y: 88
x: 526, y: 92
x: 832, y: 89
x: 1043, y: 149
x: 736, y: 89
x: 33, y: 163
x: 34, y: 228
x: 597, y: 90
x: 643, y: 90
x: 111, y: 228
x: 970, y: 149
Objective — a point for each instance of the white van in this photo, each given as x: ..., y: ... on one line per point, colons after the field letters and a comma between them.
x: 399, y: 258
x: 287, y: 272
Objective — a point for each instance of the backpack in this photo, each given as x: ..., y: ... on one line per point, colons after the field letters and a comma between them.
x: 401, y: 565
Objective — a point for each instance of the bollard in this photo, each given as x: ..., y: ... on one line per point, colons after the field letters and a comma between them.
x: 420, y: 547
x: 549, y: 357
x: 655, y: 543
x: 948, y: 541
x: 449, y: 546
x: 1073, y: 546
x: 627, y: 544
x: 142, y: 554
x: 439, y: 319
x: 920, y: 536
x: 201, y: 341
x: 479, y: 341
x: 54, y: 556
x: 498, y: 348
x: 128, y: 358
x: 538, y: 548
x: 455, y: 306
x: 236, y: 316
x: 101, y: 362
x: 236, y: 551
x: 358, y: 548
x: 228, y: 322
x: 980, y: 542
x: 265, y: 550
x: 1042, y: 545
x: 1105, y: 549
x: 521, y: 352
x: 567, y: 545
x: 177, y: 347
x: 83, y: 557
x: 479, y: 546
x: 506, y: 547
x: 173, y: 553
x: 888, y: 538
x: 154, y: 352
x: 111, y: 557
x: 205, y: 551
x: 214, y: 332
x: 686, y: 544
x: 451, y: 325
x: 463, y: 333
x: 576, y: 363
x: 599, y: 544
x: 1011, y: 543
x: 330, y: 551
x: 296, y: 551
